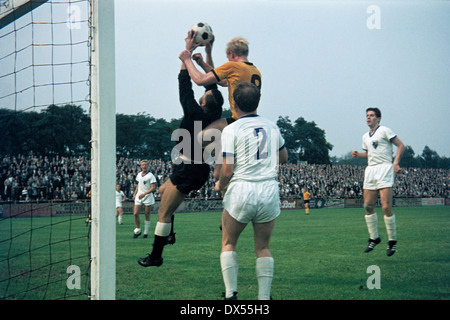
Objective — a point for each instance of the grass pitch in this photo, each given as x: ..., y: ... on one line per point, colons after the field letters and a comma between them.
x: 317, y: 257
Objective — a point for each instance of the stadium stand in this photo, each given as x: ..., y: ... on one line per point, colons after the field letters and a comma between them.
x: 27, y: 178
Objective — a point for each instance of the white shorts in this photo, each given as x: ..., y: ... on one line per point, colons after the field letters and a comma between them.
x: 379, y: 177
x: 253, y: 201
x: 148, y: 200
x: 118, y: 204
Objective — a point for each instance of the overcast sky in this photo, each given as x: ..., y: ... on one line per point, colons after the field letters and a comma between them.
x: 325, y: 61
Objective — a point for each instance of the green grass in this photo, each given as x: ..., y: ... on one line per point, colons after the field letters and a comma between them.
x: 317, y: 257
x: 35, y: 254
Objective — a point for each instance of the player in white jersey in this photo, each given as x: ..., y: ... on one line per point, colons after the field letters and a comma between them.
x: 143, y: 196
x: 252, y: 147
x: 120, y: 197
x: 379, y: 177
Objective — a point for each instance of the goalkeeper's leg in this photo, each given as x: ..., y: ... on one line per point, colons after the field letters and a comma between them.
x: 170, y: 201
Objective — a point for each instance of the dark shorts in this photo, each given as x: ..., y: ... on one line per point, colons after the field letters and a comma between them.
x: 189, y: 177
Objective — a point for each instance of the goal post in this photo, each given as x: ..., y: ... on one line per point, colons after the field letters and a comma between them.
x: 103, y: 151
x: 58, y: 54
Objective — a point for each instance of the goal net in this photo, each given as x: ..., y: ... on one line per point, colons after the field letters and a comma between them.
x: 50, y: 152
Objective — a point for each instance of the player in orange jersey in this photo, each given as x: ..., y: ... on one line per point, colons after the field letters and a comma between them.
x: 306, y: 196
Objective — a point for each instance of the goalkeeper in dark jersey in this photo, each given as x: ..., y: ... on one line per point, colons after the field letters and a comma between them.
x: 190, y: 169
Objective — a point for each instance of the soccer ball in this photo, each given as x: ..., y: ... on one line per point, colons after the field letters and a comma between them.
x: 204, y: 33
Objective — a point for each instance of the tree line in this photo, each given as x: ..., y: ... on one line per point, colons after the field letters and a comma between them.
x: 65, y: 130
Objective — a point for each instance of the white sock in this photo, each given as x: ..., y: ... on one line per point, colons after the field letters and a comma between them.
x: 391, y: 227
x: 264, y: 273
x: 137, y: 230
x: 163, y: 229
x: 372, y: 225
x: 229, y: 264
x: 146, y: 226
x: 119, y: 219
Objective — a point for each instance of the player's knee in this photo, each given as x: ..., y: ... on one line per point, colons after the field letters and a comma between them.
x: 369, y: 207
x: 161, y: 190
x: 387, y: 209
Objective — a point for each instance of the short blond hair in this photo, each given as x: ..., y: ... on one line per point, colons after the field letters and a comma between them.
x: 237, y: 45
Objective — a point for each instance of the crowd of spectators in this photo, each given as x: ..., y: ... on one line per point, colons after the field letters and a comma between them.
x: 346, y: 182
x: 25, y: 178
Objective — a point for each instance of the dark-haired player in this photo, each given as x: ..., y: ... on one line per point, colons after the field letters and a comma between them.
x: 252, y: 148
x: 190, y: 171
x: 379, y: 177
